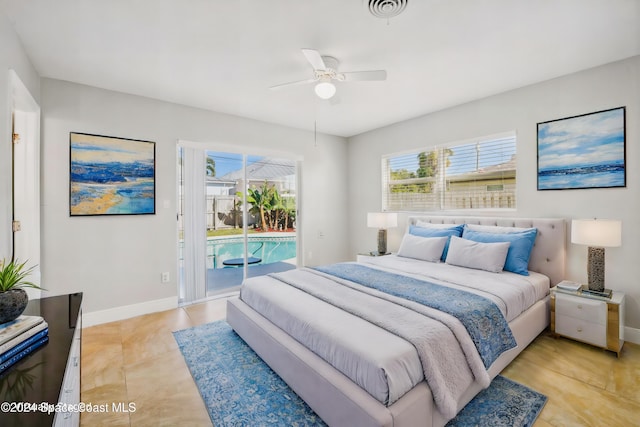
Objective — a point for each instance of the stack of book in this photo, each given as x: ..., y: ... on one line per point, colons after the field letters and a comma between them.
x: 21, y: 337
x: 569, y: 287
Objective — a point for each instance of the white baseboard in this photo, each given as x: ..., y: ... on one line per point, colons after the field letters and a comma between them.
x: 632, y: 335
x: 128, y: 311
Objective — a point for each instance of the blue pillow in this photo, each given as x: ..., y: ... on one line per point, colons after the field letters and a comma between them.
x: 520, y: 246
x: 454, y: 230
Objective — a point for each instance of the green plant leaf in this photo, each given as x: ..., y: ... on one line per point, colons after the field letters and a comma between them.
x: 13, y: 275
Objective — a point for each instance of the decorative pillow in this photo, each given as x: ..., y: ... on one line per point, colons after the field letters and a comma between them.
x: 481, y: 256
x: 436, y: 230
x: 521, y: 243
x: 424, y: 248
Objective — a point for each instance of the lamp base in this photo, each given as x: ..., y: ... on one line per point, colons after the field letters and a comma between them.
x: 595, y: 269
x: 382, y: 241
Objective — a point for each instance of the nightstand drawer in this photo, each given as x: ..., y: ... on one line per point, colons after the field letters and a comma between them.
x: 581, y: 329
x: 592, y: 311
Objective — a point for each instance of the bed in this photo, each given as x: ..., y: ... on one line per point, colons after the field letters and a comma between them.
x: 365, y: 375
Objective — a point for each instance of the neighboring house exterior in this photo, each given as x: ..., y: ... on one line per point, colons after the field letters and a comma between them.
x: 485, y: 188
x: 490, y: 187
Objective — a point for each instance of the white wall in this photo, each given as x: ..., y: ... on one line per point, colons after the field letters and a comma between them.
x: 605, y: 87
x: 117, y: 260
x: 12, y: 56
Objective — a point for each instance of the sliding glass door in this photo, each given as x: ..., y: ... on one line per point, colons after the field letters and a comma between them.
x: 237, y: 219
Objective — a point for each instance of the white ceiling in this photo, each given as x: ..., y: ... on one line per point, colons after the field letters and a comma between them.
x: 224, y: 55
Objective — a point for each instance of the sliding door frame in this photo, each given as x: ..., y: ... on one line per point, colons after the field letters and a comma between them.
x: 245, y: 152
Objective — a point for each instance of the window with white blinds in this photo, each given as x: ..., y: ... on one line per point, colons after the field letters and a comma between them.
x: 475, y: 174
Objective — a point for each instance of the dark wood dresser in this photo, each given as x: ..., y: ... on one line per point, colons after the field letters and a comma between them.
x: 51, y: 374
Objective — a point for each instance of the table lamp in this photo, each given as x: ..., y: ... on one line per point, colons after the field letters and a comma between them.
x: 382, y: 221
x: 597, y: 234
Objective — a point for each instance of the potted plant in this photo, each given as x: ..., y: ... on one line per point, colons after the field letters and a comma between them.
x: 13, y: 280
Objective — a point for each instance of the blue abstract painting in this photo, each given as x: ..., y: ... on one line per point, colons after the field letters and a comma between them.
x: 586, y: 151
x: 111, y: 176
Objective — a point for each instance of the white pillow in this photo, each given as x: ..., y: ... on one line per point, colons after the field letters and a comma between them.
x: 425, y: 224
x: 424, y: 248
x: 496, y: 229
x: 481, y: 256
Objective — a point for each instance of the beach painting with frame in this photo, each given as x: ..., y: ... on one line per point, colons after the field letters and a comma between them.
x: 111, y: 176
x: 586, y: 151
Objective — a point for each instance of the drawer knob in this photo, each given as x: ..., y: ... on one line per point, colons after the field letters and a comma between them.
x: 579, y: 329
x: 579, y: 306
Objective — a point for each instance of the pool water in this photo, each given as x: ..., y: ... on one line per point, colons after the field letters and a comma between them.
x: 269, y: 249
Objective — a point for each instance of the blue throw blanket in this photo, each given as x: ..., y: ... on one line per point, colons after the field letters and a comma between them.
x: 483, y: 320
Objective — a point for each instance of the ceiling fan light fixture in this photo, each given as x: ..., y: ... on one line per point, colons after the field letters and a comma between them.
x: 325, y: 73
x: 325, y: 90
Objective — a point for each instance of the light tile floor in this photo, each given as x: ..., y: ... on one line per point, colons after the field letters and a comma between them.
x: 137, y: 361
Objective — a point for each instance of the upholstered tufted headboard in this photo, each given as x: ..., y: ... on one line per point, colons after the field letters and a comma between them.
x: 548, y: 254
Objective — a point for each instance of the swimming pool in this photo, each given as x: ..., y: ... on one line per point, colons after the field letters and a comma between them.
x: 270, y: 249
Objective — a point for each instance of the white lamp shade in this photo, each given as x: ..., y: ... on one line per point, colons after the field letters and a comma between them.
x: 325, y: 90
x: 596, y: 232
x: 382, y: 220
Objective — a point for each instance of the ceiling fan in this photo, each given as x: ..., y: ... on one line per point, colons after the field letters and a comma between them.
x: 325, y: 69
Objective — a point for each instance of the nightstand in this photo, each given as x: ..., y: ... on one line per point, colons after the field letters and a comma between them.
x: 593, y: 320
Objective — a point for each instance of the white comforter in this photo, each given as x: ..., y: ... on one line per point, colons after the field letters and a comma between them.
x: 384, y: 364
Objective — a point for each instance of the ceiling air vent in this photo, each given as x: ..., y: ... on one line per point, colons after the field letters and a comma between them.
x: 386, y: 9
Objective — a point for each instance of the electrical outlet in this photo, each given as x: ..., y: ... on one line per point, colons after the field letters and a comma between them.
x: 165, y: 277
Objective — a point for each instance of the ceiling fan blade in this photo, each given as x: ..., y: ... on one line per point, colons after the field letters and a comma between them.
x: 300, y: 82
x: 365, y: 75
x: 314, y: 58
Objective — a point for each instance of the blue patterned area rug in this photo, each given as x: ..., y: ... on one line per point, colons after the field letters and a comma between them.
x: 239, y: 389
x: 505, y: 403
